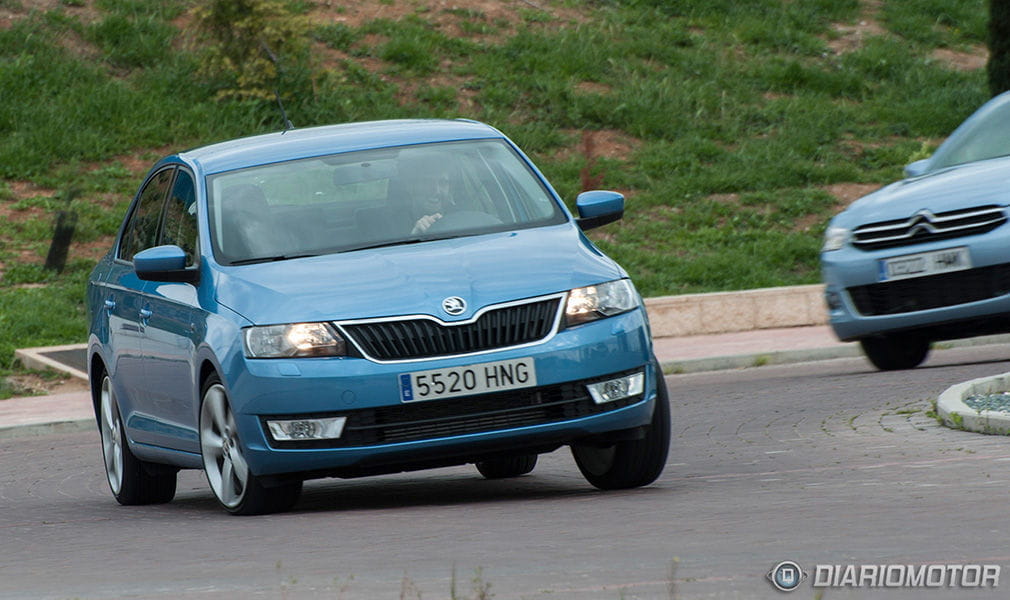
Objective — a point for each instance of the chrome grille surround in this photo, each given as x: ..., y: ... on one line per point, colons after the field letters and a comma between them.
x: 926, y: 226
x: 496, y: 327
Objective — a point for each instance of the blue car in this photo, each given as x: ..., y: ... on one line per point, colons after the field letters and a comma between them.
x: 927, y: 258
x: 361, y: 299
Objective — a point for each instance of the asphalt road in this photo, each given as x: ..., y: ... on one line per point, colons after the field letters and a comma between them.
x: 819, y: 463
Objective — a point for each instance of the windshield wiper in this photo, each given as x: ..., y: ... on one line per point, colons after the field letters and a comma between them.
x: 262, y: 259
x: 407, y: 241
x: 416, y: 240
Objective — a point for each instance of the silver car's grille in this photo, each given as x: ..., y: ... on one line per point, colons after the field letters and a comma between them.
x: 934, y: 291
x: 416, y: 338
x: 924, y: 226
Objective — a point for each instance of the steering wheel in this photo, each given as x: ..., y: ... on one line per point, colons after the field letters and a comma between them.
x: 464, y: 219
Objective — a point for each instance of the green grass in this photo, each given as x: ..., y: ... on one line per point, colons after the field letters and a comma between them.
x: 737, y: 116
x: 938, y: 22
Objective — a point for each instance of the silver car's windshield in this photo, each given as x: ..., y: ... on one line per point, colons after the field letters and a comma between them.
x: 985, y: 135
x: 357, y: 200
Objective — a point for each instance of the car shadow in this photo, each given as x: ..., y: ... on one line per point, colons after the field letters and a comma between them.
x: 444, y: 490
x: 425, y: 490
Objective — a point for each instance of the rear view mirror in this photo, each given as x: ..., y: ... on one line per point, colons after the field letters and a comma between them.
x: 917, y: 168
x: 364, y: 172
x: 164, y: 263
x: 597, y: 208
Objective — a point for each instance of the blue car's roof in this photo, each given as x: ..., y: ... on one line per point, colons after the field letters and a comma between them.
x: 332, y: 139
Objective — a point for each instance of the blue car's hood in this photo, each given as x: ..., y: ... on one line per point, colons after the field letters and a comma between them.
x: 414, y: 279
x: 976, y: 184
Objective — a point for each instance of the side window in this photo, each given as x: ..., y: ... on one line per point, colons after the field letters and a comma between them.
x: 180, y: 217
x: 142, y: 230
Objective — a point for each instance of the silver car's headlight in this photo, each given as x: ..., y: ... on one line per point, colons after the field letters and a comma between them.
x: 293, y: 340
x: 835, y: 238
x: 597, y: 301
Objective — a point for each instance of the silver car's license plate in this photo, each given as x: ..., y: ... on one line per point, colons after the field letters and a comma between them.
x: 924, y: 263
x: 468, y: 380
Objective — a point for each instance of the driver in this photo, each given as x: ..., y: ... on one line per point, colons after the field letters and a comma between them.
x: 435, y: 199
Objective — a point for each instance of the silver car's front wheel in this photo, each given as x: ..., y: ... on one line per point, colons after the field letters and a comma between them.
x: 238, y: 490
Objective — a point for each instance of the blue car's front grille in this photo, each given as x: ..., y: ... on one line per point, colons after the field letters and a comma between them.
x: 925, y: 226
x: 425, y: 338
x: 934, y: 291
x: 416, y: 421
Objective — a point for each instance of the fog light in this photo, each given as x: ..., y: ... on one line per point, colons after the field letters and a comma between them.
x: 833, y: 300
x: 307, y: 429
x: 616, y: 389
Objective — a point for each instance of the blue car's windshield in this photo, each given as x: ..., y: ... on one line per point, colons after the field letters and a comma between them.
x: 356, y: 200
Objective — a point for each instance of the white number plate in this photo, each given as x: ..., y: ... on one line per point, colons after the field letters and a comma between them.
x: 925, y: 263
x: 465, y: 381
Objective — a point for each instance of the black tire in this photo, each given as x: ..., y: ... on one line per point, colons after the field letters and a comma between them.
x: 131, y: 480
x: 236, y: 488
x: 509, y: 466
x: 632, y: 463
x: 896, y: 351
x: 262, y: 500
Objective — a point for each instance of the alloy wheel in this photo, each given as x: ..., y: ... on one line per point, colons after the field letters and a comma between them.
x: 226, y: 467
x: 112, y: 439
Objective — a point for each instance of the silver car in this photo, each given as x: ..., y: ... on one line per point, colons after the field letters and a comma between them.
x: 927, y: 258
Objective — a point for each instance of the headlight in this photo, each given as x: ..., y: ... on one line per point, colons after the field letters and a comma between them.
x: 835, y: 238
x: 598, y: 301
x: 293, y: 340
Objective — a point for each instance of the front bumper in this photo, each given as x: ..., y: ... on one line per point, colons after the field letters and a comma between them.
x: 946, y: 306
x: 383, y: 434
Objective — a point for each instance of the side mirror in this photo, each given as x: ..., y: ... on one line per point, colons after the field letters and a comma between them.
x: 598, y: 208
x: 917, y: 168
x: 164, y: 263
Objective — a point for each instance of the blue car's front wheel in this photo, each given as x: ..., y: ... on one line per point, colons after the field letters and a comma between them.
x: 630, y: 463
x: 236, y: 488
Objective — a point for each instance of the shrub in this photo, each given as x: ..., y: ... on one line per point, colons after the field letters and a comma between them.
x: 247, y: 40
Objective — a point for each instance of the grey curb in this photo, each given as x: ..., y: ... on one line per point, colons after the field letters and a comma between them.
x: 35, y: 358
x: 745, y: 310
x: 784, y: 357
x: 956, y: 414
x: 757, y: 359
x: 42, y: 429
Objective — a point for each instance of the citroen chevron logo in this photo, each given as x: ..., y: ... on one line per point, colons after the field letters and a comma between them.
x: 454, y: 305
x: 922, y: 222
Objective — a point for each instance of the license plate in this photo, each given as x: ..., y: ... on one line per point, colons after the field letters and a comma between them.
x: 481, y: 378
x: 925, y: 263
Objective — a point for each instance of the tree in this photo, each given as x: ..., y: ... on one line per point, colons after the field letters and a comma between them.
x: 248, y: 40
x: 999, y: 46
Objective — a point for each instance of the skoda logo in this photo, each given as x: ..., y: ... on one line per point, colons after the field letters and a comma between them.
x: 454, y: 305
